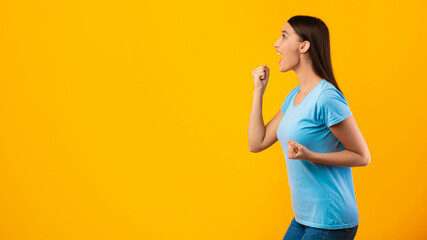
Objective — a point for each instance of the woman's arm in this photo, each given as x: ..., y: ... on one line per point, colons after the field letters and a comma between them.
x: 262, y: 137
x: 345, y: 158
x: 256, y: 129
x: 356, y: 153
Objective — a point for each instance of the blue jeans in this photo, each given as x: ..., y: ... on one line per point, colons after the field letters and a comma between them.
x: 297, y: 231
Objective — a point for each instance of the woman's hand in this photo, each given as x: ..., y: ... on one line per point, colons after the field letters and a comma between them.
x: 298, y: 151
x: 261, y: 75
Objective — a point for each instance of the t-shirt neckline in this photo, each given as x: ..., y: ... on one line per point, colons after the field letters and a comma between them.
x: 295, y: 95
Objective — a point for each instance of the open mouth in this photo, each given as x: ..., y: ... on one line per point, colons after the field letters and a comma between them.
x: 280, y: 59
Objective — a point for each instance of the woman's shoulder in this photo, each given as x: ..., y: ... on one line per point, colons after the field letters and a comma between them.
x: 330, y: 97
x: 329, y: 92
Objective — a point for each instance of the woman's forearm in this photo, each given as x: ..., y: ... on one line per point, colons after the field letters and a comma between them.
x: 256, y: 129
x: 343, y: 158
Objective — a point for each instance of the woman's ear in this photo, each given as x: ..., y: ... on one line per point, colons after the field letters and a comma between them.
x: 304, y: 46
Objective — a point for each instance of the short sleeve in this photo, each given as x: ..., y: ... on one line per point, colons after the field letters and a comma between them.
x: 332, y: 107
x: 285, y: 105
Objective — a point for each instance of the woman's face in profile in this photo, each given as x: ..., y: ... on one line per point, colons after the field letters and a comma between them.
x: 288, y: 46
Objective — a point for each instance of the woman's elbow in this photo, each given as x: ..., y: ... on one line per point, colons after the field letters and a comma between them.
x: 367, y: 160
x: 254, y: 150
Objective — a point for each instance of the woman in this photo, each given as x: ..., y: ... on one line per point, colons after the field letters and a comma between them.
x: 318, y: 134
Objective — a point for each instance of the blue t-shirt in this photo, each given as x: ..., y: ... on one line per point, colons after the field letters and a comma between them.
x: 322, y: 195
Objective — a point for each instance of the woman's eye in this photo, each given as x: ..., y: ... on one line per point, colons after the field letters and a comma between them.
x: 283, y: 36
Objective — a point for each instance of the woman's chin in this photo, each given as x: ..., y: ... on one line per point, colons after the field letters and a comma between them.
x: 282, y: 69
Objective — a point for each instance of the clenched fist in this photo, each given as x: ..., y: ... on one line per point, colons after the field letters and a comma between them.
x: 261, y: 75
x: 298, y: 151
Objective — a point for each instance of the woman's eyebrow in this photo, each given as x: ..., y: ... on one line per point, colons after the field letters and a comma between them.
x: 284, y: 31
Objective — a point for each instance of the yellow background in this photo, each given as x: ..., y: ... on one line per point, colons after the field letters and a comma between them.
x: 128, y: 119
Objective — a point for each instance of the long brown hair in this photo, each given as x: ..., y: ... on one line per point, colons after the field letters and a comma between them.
x: 315, y: 31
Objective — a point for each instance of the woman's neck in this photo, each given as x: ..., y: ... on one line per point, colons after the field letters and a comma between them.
x: 307, y: 78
